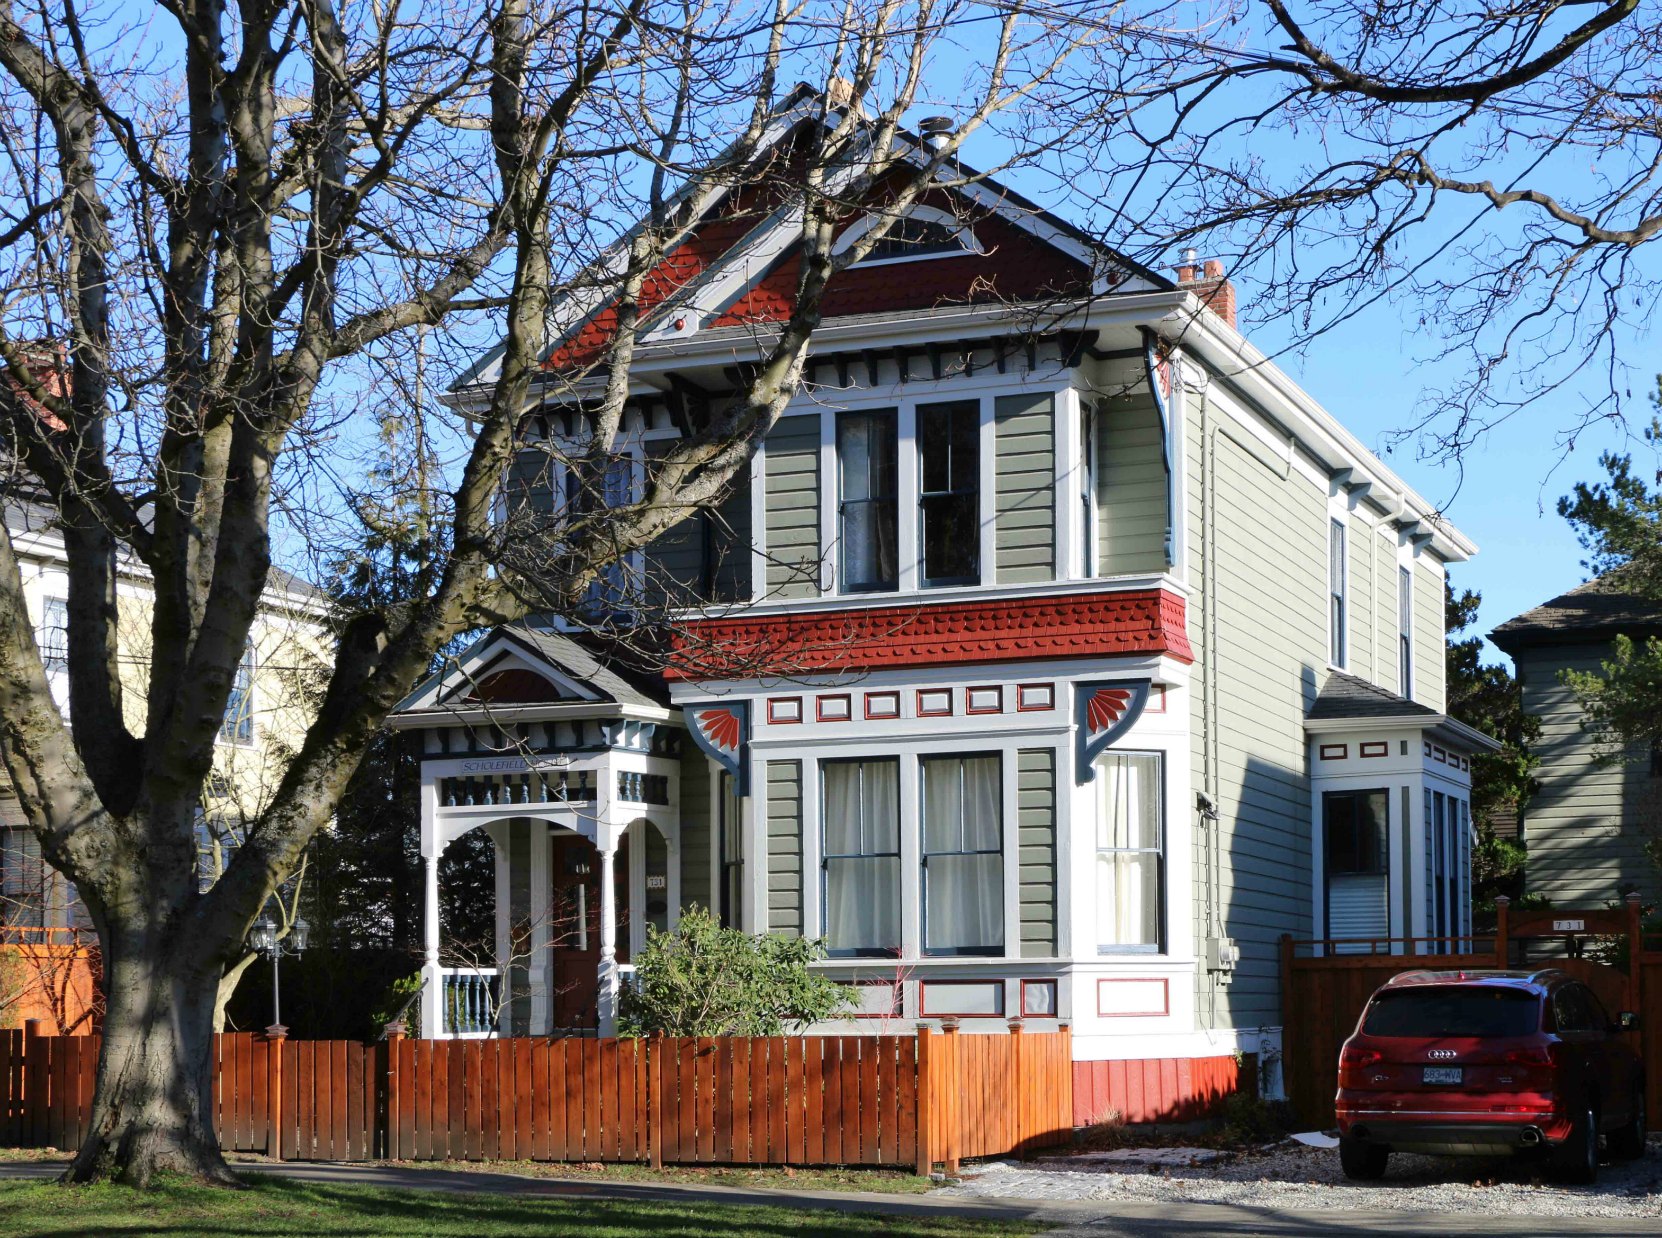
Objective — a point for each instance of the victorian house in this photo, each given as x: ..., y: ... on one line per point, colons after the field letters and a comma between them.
x: 1102, y: 657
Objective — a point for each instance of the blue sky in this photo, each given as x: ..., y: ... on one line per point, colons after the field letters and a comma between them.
x: 1504, y: 498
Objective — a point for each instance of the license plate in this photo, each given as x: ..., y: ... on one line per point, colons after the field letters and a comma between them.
x: 1443, y: 1074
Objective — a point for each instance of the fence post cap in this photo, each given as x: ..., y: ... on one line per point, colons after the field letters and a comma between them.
x: 1015, y: 1022
x: 276, y: 1032
x: 396, y: 1030
x: 1632, y: 898
x: 1502, y: 900
x: 949, y: 1024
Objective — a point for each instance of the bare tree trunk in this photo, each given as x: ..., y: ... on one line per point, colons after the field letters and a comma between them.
x: 152, y: 1112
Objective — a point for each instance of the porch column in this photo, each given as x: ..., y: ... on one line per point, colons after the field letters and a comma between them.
x: 608, y: 945
x: 541, y: 931
x: 432, y: 995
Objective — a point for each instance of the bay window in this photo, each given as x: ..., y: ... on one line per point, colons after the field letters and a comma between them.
x: 1130, y: 852
x: 949, y: 450
x: 860, y: 855
x: 867, y: 513
x: 963, y: 855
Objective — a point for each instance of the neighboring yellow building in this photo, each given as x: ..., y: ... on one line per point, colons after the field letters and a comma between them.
x: 288, y: 654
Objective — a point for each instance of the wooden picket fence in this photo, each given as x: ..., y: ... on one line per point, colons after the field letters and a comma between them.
x: 912, y: 1101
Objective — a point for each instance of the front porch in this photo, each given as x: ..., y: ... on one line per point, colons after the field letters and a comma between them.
x: 575, y: 776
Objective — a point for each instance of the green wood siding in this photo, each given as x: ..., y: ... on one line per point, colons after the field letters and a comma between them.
x: 1588, y: 825
x: 1025, y: 513
x: 1428, y: 635
x: 1270, y: 611
x: 1130, y: 486
x: 695, y: 829
x: 1036, y: 825
x: 791, y: 497
x: 784, y: 808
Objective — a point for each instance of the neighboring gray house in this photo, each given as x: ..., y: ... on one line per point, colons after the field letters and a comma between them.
x: 1587, y: 825
x: 1112, y: 657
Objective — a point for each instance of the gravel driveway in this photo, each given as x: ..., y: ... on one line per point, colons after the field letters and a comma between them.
x: 1291, y: 1176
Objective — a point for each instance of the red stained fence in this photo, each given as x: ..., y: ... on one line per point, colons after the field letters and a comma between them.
x: 1165, y: 1089
x: 811, y: 1100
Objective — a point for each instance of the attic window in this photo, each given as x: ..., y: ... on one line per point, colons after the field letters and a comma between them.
x: 923, y: 232
x: 514, y: 687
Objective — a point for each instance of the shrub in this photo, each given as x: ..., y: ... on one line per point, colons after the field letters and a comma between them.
x: 701, y: 979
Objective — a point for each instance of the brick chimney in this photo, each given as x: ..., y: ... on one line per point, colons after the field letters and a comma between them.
x: 1207, y: 282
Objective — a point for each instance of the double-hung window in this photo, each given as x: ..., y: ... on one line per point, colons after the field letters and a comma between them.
x: 1356, y: 859
x: 1405, y: 630
x: 238, y: 725
x: 949, y: 450
x: 963, y: 855
x: 860, y: 855
x: 53, y: 636
x: 592, y: 489
x: 730, y: 841
x: 867, y: 511
x: 1130, y: 852
x: 1336, y: 593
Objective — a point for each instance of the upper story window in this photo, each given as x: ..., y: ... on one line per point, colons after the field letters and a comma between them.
x: 238, y: 725
x: 1336, y: 652
x: 949, y: 451
x: 1405, y: 631
x: 52, y: 637
x: 867, y: 511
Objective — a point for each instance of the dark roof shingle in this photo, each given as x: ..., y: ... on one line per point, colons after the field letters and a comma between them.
x: 1602, y: 607
x: 1346, y: 696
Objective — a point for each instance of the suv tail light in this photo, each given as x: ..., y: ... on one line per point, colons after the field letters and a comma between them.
x: 1532, y: 1055
x: 1354, y: 1059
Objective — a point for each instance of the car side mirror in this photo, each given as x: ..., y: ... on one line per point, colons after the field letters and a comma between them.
x: 1627, y: 1021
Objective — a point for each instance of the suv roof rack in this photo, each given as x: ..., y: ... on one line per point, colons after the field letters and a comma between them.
x: 1535, y: 975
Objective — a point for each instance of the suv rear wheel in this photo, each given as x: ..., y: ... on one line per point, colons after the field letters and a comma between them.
x: 1628, y: 1144
x: 1363, y: 1162
x: 1578, y: 1156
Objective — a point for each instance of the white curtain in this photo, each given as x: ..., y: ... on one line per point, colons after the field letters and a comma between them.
x: 861, y: 837
x: 963, y: 839
x: 1129, y: 832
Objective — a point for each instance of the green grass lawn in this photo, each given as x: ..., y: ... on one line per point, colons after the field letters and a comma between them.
x: 887, y: 1181
x: 283, y: 1209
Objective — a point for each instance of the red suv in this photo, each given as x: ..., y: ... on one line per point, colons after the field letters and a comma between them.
x: 1483, y: 1062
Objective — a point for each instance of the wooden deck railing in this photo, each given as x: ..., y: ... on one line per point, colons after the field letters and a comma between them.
x: 914, y: 1101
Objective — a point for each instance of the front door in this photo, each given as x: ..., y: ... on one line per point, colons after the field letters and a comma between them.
x: 574, y: 947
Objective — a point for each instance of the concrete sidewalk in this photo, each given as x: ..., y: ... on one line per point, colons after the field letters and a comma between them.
x: 1072, y: 1218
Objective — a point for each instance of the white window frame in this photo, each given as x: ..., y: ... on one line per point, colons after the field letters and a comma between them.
x: 1004, y: 772
x: 929, y: 214
x: 1405, y: 630
x: 1162, y: 945
x: 1338, y: 591
x: 229, y: 726
x: 49, y: 604
x: 908, y: 492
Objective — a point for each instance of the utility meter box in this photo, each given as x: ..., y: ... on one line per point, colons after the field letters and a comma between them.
x: 1222, y: 954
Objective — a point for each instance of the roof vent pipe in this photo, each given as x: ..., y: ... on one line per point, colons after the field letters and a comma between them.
x: 935, y: 130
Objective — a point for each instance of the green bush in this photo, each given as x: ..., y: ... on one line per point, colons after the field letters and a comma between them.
x: 705, y: 980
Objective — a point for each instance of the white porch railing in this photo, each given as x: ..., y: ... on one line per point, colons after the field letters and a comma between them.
x: 468, y: 1000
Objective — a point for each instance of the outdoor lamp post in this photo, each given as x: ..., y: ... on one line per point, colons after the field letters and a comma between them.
x: 263, y: 939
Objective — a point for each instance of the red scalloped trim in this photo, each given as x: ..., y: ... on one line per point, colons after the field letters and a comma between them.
x: 937, y: 633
